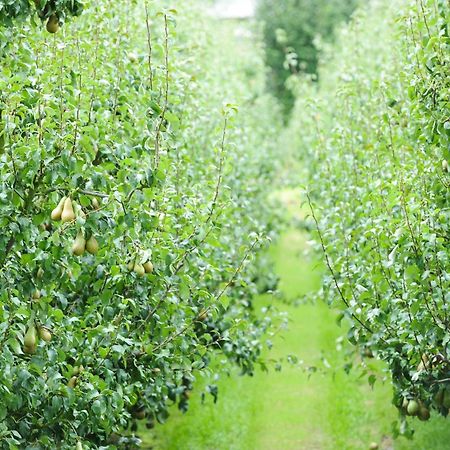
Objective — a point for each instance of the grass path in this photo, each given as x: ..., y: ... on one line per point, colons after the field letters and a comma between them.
x: 287, y: 409
x: 290, y: 410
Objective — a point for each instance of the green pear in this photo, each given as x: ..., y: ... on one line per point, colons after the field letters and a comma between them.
x: 132, y: 57
x: 29, y: 350
x: 68, y: 214
x: 57, y: 212
x: 139, y: 269
x: 95, y: 203
x: 148, y: 267
x: 77, y: 370
x: 139, y: 414
x: 79, y: 244
x: 413, y: 408
x: 53, y: 24
x: 72, y: 382
x: 424, y: 413
x: 30, y: 338
x: 45, y: 334
x: 92, y: 245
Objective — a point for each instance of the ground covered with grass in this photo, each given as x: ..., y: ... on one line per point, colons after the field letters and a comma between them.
x: 296, y: 408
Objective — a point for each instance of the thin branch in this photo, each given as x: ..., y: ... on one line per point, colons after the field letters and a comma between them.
x: 330, y: 268
x: 166, y: 92
x: 220, y: 171
x: 149, y: 44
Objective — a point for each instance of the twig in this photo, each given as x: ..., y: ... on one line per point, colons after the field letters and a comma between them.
x: 330, y: 268
x: 149, y: 43
x: 166, y: 93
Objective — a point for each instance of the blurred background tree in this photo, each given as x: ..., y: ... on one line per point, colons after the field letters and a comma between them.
x: 290, y: 29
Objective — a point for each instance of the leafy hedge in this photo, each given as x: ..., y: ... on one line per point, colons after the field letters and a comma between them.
x: 12, y: 10
x: 112, y: 301
x: 290, y: 31
x: 376, y: 135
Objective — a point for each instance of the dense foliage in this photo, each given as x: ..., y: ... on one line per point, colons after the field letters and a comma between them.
x: 377, y: 136
x: 291, y: 29
x: 133, y: 208
x: 11, y: 10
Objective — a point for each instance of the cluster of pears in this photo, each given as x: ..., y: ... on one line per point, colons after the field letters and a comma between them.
x: 80, y: 245
x: 30, y: 340
x: 65, y: 212
x: 415, y: 407
x: 139, y: 267
x: 73, y: 380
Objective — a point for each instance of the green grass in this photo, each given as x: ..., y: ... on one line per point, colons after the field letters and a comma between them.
x: 289, y: 409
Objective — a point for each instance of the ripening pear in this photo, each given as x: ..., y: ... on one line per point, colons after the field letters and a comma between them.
x: 95, y: 203
x: 92, y: 245
x: 139, y: 414
x: 68, y: 214
x: 130, y: 265
x: 40, y: 272
x: 30, y: 340
x: 45, y: 334
x: 29, y: 350
x: 424, y: 413
x: 132, y: 57
x: 30, y: 336
x: 413, y: 408
x: 57, y: 212
x: 79, y: 446
x: 72, y: 382
x: 439, y: 396
x: 445, y: 166
x: 79, y: 244
x: 53, y: 24
x: 148, y: 267
x: 139, y: 269
x: 77, y: 370
x: 36, y: 294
